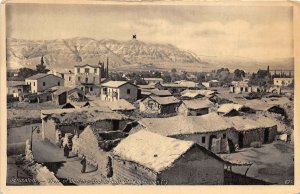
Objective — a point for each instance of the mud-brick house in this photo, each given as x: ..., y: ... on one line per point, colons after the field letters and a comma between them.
x: 232, y: 109
x: 75, y: 120
x: 195, y: 107
x: 116, y: 90
x: 41, y: 82
x: 211, y: 83
x: 96, y: 143
x: 210, y: 131
x: 17, y: 88
x: 262, y: 130
x: 59, y: 95
x: 159, y: 105
x: 148, y: 158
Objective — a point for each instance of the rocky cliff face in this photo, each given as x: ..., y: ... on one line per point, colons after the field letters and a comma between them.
x: 65, y: 53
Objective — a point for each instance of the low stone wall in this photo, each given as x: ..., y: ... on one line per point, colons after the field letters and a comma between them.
x: 40, y: 173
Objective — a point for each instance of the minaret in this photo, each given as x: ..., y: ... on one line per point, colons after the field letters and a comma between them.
x: 42, y: 60
x: 107, y: 68
x: 99, y: 64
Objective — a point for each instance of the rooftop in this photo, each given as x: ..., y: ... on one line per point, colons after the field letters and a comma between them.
x: 180, y: 125
x: 15, y: 83
x: 151, y: 150
x: 226, y: 108
x: 115, y: 84
x: 244, y: 124
x: 197, y: 103
x: 153, y: 79
x: 158, y: 92
x: 84, y: 65
x: 165, y: 100
x: 194, y: 93
x: 40, y: 75
x: 82, y: 115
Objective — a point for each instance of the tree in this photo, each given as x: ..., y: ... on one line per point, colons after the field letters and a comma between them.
x: 41, y: 68
x: 238, y: 74
x: 26, y: 72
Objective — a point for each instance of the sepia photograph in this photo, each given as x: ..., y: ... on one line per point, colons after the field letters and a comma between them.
x: 149, y: 94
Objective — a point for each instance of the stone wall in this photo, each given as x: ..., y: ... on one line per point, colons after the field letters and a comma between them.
x: 41, y: 173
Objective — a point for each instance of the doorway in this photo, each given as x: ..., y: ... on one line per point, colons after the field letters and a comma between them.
x: 241, y: 140
x: 116, y: 124
x: 211, y: 140
x: 266, y: 136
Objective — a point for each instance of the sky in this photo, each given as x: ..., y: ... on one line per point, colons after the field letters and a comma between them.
x: 254, y: 32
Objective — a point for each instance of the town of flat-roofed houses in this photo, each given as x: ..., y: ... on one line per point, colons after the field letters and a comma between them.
x: 82, y: 111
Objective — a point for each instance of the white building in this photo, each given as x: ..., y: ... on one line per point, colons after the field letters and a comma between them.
x: 116, y: 90
x: 283, y: 81
x: 42, y: 81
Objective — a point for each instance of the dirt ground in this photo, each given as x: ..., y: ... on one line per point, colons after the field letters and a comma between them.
x: 273, y: 163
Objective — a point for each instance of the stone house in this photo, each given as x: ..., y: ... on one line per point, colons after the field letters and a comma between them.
x: 159, y: 105
x: 60, y: 95
x: 116, y: 90
x: 74, y: 121
x: 147, y: 158
x: 17, y: 88
x: 195, y: 107
x: 95, y: 143
x: 262, y: 130
x: 41, y: 82
x: 203, y: 130
x: 211, y: 83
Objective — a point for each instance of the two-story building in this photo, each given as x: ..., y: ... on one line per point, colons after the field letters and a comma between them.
x: 42, y: 81
x: 88, y: 77
x: 283, y: 81
x: 116, y: 90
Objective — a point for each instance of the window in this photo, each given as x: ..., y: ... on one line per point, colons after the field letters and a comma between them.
x: 44, y: 84
x: 78, y: 70
x: 86, y: 80
x: 128, y: 91
x: 69, y: 78
x: 94, y: 79
x: 79, y: 79
x: 91, y: 89
x: 63, y: 76
x: 58, y: 83
x: 95, y: 70
x: 224, y: 135
x: 86, y: 70
x: 104, y: 90
x: 203, y: 139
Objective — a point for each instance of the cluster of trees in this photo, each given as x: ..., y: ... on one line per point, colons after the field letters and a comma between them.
x: 27, y: 72
x: 261, y: 78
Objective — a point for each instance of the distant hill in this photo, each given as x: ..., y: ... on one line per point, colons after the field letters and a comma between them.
x: 123, y: 55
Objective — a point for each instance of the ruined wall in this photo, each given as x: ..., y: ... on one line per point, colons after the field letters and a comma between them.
x: 49, y: 130
x: 41, y: 173
x: 198, y: 137
x: 87, y: 145
x: 130, y: 173
x: 195, y: 168
x: 168, y: 109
